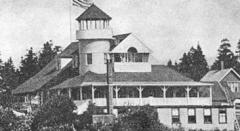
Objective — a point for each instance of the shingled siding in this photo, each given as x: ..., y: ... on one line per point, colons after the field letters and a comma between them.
x: 64, y: 75
x: 231, y: 77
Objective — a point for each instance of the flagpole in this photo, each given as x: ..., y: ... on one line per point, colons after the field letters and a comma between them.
x: 70, y: 19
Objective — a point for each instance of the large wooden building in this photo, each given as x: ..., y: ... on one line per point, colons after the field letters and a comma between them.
x: 80, y: 71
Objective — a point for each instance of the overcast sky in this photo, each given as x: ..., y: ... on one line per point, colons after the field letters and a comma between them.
x: 168, y: 27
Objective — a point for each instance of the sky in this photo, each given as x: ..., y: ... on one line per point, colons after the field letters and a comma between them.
x: 168, y: 27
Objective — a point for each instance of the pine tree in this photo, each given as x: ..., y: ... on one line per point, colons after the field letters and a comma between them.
x: 185, y: 65
x: 9, y: 76
x: 1, y: 76
x: 47, y: 53
x: 193, y: 64
x: 225, y: 55
x: 29, y: 66
x: 169, y: 64
x: 199, y: 64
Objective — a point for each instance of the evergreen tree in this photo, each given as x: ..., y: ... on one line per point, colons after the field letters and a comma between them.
x: 1, y: 76
x: 9, y: 76
x: 193, y: 64
x: 199, y: 64
x: 185, y: 65
x: 225, y: 55
x: 29, y: 66
x: 169, y: 64
x: 47, y: 53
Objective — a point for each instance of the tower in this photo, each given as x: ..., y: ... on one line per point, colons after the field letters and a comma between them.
x: 94, y: 36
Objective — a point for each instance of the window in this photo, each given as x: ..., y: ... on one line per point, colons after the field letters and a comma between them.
x: 175, y: 116
x: 207, y: 113
x: 222, y: 116
x: 89, y: 59
x: 191, y: 115
x: 234, y: 86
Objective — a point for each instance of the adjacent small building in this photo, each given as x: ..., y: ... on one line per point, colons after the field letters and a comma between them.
x: 81, y: 72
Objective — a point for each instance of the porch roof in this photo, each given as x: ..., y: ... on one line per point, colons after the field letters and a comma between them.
x: 160, y: 76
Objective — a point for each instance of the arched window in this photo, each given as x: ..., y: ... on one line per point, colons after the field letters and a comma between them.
x: 132, y: 50
x: 132, y: 54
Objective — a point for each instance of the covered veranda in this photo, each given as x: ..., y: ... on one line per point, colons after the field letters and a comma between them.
x: 142, y: 93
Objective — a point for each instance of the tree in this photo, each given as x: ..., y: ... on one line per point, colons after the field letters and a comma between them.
x: 193, y: 64
x: 57, y: 112
x: 143, y: 118
x: 225, y: 55
x: 8, y: 121
x: 9, y: 76
x: 199, y: 64
x: 1, y: 76
x: 185, y: 65
x: 29, y: 66
x: 47, y: 53
x: 169, y: 64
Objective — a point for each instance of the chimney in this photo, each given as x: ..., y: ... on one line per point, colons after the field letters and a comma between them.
x: 222, y: 65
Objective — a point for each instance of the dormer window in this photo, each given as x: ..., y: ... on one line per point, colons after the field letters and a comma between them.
x: 131, y: 56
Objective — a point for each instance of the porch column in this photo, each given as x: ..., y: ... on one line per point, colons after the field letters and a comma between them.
x: 188, y: 89
x: 59, y: 92
x: 210, y: 91
x: 70, y: 93
x: 41, y: 97
x: 48, y: 94
x: 81, y: 95
x: 198, y: 92
x: 164, y: 94
x: 116, y: 89
x: 140, y: 89
x: 93, y: 90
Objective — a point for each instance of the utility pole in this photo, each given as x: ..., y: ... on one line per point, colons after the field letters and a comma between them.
x: 109, y: 84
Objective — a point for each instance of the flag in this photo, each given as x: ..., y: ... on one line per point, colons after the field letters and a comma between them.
x: 82, y: 3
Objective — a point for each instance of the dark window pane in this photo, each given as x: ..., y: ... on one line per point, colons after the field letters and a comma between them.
x: 89, y: 59
x: 222, y: 116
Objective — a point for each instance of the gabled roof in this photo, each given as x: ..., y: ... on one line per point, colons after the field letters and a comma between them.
x: 93, y: 13
x: 131, y: 41
x: 46, y: 74
x: 218, y: 75
x: 121, y: 37
x: 73, y: 47
x: 159, y: 73
x: 36, y: 82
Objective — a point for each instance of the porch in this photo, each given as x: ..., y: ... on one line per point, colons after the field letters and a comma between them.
x: 138, y: 95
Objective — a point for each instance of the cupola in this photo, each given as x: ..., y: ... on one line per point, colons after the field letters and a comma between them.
x: 94, y: 23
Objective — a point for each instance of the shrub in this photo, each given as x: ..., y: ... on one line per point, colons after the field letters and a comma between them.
x: 8, y: 121
x: 139, y: 119
x: 84, y: 121
x: 55, y: 114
